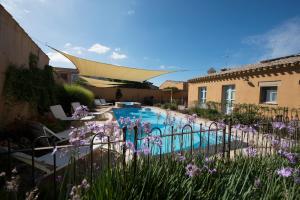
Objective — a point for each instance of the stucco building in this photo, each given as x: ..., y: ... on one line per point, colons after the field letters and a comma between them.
x: 179, y: 90
x: 274, y: 82
x: 15, y: 48
x: 66, y: 75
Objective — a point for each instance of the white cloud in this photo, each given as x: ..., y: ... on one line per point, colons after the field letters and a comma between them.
x: 56, y: 57
x: 117, y: 49
x: 78, y: 50
x: 68, y: 44
x: 98, y: 48
x: 130, y: 12
x: 164, y: 67
x: 74, y: 49
x: 280, y: 41
x: 117, y: 56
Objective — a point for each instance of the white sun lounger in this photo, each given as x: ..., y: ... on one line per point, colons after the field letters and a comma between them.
x: 101, y: 102
x: 59, y: 113
x: 45, y: 162
x: 75, y: 105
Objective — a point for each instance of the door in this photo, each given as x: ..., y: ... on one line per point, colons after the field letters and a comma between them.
x: 228, y: 98
x: 202, y: 96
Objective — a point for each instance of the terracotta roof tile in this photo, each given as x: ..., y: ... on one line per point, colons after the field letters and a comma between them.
x: 294, y: 59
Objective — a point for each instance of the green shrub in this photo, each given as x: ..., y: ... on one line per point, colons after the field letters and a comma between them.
x: 77, y: 93
x: 245, y: 118
x: 172, y: 106
x: 210, y: 114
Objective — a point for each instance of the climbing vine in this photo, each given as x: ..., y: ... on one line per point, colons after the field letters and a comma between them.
x: 33, y: 85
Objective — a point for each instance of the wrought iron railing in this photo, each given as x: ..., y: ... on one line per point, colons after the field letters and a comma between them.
x: 229, y: 141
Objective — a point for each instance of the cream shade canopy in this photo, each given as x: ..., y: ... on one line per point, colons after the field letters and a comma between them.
x: 100, y: 83
x: 103, y: 70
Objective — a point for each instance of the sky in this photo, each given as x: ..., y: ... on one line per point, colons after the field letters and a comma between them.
x: 178, y: 35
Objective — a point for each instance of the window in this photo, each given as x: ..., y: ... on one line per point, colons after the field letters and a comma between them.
x: 268, y: 94
x: 202, y: 95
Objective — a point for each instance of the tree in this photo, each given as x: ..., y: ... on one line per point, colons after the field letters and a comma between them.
x: 119, y: 94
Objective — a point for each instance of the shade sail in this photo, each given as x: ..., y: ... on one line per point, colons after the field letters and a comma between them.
x: 103, y: 70
x: 100, y: 83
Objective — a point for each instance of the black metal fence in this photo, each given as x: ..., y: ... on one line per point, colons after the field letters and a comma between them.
x: 226, y: 141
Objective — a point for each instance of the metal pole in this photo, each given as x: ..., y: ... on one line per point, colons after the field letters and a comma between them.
x: 135, y: 148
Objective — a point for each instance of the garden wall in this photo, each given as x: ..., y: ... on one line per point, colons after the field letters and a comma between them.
x: 15, y: 48
x: 133, y: 94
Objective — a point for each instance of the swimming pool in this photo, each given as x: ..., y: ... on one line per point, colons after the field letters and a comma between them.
x: 164, y: 120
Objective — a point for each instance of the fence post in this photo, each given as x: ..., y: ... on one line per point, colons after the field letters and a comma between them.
x: 32, y: 165
x: 160, y: 134
x: 54, y: 169
x: 172, y: 133
x: 124, y: 146
x: 135, y: 148
x: 224, y: 141
x: 74, y: 168
x: 32, y: 158
x: 92, y: 155
x: 9, y: 157
x: 108, y: 152
x: 229, y: 138
x: 200, y: 138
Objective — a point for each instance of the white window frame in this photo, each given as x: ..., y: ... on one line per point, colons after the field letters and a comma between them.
x: 268, y: 96
x: 202, y: 93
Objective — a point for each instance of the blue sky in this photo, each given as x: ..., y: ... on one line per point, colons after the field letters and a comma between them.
x: 162, y: 34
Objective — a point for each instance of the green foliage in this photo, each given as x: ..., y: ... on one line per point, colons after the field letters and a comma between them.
x: 32, y: 85
x: 167, y: 180
x: 245, y: 118
x: 38, y: 87
x: 174, y: 89
x: 33, y: 60
x: 208, y: 113
x: 77, y: 93
x: 119, y: 94
x: 171, y: 106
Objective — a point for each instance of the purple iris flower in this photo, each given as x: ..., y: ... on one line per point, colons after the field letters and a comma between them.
x: 285, y: 171
x: 80, y: 111
x: 212, y: 171
x: 192, y: 170
x: 278, y: 125
x: 290, y: 156
x: 180, y: 157
x: 251, y: 151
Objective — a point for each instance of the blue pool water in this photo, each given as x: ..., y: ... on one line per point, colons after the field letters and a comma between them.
x: 158, y: 120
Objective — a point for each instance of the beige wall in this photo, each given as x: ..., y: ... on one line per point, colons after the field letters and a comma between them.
x: 132, y: 94
x: 288, y: 91
x: 15, y: 47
